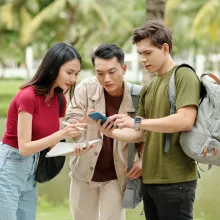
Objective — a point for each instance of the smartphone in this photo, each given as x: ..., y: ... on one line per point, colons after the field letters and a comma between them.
x: 97, y: 115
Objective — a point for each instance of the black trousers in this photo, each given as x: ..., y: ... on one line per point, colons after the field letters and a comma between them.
x: 169, y: 201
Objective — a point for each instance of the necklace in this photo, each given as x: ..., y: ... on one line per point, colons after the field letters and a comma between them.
x: 48, y: 103
x: 48, y: 100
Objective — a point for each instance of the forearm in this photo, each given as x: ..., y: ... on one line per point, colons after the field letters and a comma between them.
x: 74, y: 112
x: 142, y: 150
x: 74, y: 116
x: 128, y: 135
x: 32, y: 147
x: 170, y: 124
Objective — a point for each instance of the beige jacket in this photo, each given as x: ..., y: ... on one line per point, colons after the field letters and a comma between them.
x: 89, y: 94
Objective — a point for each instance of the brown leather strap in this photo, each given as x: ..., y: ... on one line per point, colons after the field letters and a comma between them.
x: 214, y: 77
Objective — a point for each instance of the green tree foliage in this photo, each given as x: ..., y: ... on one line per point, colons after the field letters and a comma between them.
x: 194, y: 24
x: 84, y: 23
x: 87, y: 23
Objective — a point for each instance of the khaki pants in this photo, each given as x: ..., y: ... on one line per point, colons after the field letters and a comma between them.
x: 96, y: 201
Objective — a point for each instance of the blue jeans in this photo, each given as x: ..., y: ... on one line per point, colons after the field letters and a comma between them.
x: 18, y: 193
x: 169, y: 201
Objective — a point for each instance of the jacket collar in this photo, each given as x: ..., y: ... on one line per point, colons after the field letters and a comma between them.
x: 98, y: 98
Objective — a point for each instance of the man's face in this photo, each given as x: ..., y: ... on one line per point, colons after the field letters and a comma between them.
x: 110, y: 75
x: 152, y: 57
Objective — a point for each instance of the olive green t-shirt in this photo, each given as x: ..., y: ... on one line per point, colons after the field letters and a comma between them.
x: 172, y: 167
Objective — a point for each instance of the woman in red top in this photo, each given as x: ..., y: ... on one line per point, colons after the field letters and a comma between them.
x: 33, y: 124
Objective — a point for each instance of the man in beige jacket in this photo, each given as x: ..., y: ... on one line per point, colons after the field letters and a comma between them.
x: 98, y: 178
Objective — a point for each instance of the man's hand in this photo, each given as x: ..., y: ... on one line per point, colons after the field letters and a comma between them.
x: 122, y: 121
x: 136, y: 170
x: 106, y: 128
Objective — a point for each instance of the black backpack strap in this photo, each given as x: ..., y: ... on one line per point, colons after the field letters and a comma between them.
x: 172, y: 99
x: 60, y: 100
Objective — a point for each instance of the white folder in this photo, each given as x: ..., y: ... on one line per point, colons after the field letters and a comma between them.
x: 63, y: 148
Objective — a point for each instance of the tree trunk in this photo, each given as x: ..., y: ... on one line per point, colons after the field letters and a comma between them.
x: 155, y: 10
x: 28, y: 55
x: 70, y: 20
x: 2, y: 74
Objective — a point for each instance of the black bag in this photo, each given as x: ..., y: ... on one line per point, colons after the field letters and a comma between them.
x: 49, y: 167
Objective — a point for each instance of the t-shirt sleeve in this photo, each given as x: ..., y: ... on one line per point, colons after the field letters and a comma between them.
x: 187, y: 88
x: 63, y: 110
x: 141, y: 111
x: 25, y: 102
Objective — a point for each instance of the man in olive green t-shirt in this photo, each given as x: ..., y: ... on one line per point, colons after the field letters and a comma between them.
x: 169, y: 179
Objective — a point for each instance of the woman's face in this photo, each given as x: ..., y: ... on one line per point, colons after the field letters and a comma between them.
x: 67, y: 74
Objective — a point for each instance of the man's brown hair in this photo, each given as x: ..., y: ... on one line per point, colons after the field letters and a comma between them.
x: 156, y: 32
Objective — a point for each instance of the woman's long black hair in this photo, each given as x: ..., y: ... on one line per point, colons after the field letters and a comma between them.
x: 48, y: 70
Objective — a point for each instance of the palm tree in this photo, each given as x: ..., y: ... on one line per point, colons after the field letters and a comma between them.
x: 14, y: 17
x: 70, y: 12
x: 198, y: 20
x: 209, y: 19
x: 84, y: 23
x: 27, y: 19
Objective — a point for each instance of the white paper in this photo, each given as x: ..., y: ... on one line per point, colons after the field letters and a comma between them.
x: 63, y: 148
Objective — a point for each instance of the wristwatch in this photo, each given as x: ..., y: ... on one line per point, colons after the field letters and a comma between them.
x: 137, y: 122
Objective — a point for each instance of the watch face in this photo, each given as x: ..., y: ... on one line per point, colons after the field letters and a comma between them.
x: 137, y: 120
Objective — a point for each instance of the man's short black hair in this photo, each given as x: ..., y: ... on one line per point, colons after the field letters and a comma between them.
x: 108, y: 51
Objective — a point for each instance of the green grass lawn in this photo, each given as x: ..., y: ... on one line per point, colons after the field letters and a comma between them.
x: 8, y: 89
x: 207, y: 198
x: 47, y: 211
